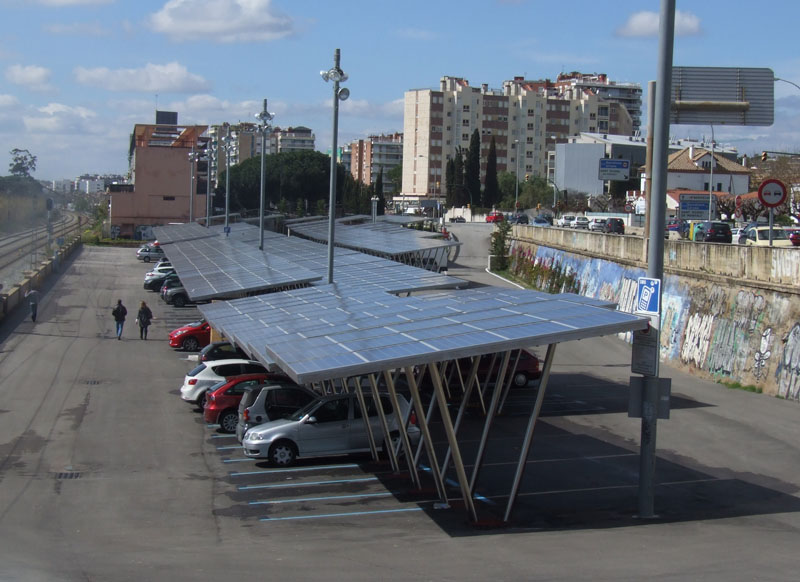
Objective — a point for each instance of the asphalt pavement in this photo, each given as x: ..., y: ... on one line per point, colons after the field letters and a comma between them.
x: 106, y: 475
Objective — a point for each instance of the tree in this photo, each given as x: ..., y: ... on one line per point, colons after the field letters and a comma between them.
x: 491, y: 189
x: 451, y: 198
x: 395, y: 176
x: 379, y: 193
x: 472, y: 167
x: 462, y: 196
x: 23, y: 163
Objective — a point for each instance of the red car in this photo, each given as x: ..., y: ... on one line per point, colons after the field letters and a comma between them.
x: 495, y: 216
x: 527, y: 368
x: 794, y: 236
x: 191, y: 337
x: 222, y: 400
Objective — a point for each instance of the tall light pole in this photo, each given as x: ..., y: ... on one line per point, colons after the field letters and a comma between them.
x: 711, y: 179
x: 212, y: 157
x: 337, y: 75
x: 228, y: 140
x: 193, y: 157
x: 516, y: 187
x: 264, y: 118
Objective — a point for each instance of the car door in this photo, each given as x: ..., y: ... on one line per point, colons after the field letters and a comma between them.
x: 330, y: 431
x: 359, y: 440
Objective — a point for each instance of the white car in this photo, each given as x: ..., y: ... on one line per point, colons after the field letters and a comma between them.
x: 150, y: 253
x: 209, y: 373
x: 331, y: 425
x: 580, y: 222
x: 597, y: 224
x: 566, y: 220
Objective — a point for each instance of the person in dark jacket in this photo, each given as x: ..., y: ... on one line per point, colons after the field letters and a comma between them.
x: 33, y: 302
x: 144, y: 318
x: 119, y: 313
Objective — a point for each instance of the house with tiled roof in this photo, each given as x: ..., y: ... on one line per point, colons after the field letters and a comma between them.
x: 691, y: 169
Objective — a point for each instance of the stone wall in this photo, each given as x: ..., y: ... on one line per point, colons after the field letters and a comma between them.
x: 714, y: 322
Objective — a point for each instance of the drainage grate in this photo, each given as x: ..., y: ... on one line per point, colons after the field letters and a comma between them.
x: 91, y: 382
x: 67, y: 475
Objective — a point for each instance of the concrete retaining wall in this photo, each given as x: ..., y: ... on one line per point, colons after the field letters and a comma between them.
x: 11, y: 298
x: 715, y: 321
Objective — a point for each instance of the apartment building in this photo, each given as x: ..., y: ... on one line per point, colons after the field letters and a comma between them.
x: 163, y: 180
x: 376, y: 155
x: 526, y: 119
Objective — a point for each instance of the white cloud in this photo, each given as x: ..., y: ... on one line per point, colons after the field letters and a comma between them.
x: 8, y: 101
x: 416, y: 34
x: 72, y: 2
x: 645, y: 23
x: 58, y: 118
x: 170, y: 78
x: 33, y: 77
x: 78, y: 29
x: 224, y: 21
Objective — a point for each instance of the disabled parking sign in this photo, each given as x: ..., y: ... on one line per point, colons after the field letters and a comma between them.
x: 648, y: 296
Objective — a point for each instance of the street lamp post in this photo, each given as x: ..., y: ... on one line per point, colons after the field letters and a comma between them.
x: 711, y: 178
x: 229, y: 145
x: 264, y: 118
x: 212, y: 156
x: 337, y: 75
x: 516, y: 186
x: 193, y: 158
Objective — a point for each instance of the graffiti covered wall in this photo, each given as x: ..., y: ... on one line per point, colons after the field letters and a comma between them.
x: 735, y: 333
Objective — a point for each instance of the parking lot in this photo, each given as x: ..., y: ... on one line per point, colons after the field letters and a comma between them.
x: 107, y: 475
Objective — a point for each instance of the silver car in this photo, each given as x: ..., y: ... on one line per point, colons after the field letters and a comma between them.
x: 261, y: 404
x: 331, y: 425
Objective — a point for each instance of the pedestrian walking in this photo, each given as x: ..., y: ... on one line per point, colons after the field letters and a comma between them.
x: 144, y: 318
x: 32, y: 295
x: 119, y: 313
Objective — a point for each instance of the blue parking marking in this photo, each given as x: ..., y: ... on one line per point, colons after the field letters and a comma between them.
x: 455, y: 484
x: 310, y: 483
x: 239, y: 460
x: 229, y: 448
x: 296, y: 469
x: 349, y: 514
x: 324, y: 498
x: 222, y: 436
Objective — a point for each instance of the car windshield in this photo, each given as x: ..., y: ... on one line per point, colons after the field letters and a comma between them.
x: 307, y: 409
x: 777, y: 234
x: 195, y: 324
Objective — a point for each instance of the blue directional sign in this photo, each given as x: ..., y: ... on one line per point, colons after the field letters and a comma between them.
x: 648, y: 296
x: 614, y: 169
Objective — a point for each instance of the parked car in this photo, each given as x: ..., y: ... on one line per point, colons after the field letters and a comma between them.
x: 580, y: 222
x: 793, y: 234
x: 759, y: 236
x: 614, y: 226
x: 676, y: 225
x: 197, y: 381
x: 714, y: 231
x: 458, y: 219
x: 541, y: 221
x: 221, y: 350
x: 150, y: 253
x: 527, y: 367
x: 170, y: 281
x: 222, y: 399
x: 520, y: 218
x: 597, y: 224
x: 270, y: 402
x: 331, y: 425
x: 495, y: 216
x: 153, y: 280
x: 566, y: 220
x: 192, y: 336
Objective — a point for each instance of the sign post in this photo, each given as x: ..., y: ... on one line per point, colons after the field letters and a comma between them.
x: 771, y: 193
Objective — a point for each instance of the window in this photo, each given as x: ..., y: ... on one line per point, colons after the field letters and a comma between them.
x: 333, y: 410
x: 464, y: 137
x: 465, y: 122
x: 169, y: 198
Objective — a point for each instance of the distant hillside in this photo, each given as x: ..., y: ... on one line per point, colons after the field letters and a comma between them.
x: 22, y: 203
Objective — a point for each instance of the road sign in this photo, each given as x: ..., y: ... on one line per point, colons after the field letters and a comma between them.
x: 695, y: 206
x: 722, y: 96
x: 738, y: 201
x: 628, y: 208
x: 614, y: 169
x: 648, y: 296
x: 737, y: 213
x: 772, y: 193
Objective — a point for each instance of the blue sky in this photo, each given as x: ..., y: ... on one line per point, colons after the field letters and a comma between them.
x: 76, y: 75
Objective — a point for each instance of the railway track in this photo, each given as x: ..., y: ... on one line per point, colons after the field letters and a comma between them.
x: 31, y: 244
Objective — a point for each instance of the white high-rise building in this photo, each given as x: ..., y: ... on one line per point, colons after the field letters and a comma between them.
x: 525, y: 118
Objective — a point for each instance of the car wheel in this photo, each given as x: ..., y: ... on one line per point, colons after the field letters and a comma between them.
x: 190, y: 344
x: 201, y: 400
x: 282, y: 453
x: 179, y: 301
x: 228, y: 421
x: 146, y: 259
x: 520, y: 379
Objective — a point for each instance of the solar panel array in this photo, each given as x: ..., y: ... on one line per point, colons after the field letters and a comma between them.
x: 379, y: 237
x: 334, y: 331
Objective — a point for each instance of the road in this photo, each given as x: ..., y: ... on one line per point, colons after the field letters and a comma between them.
x: 105, y: 475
